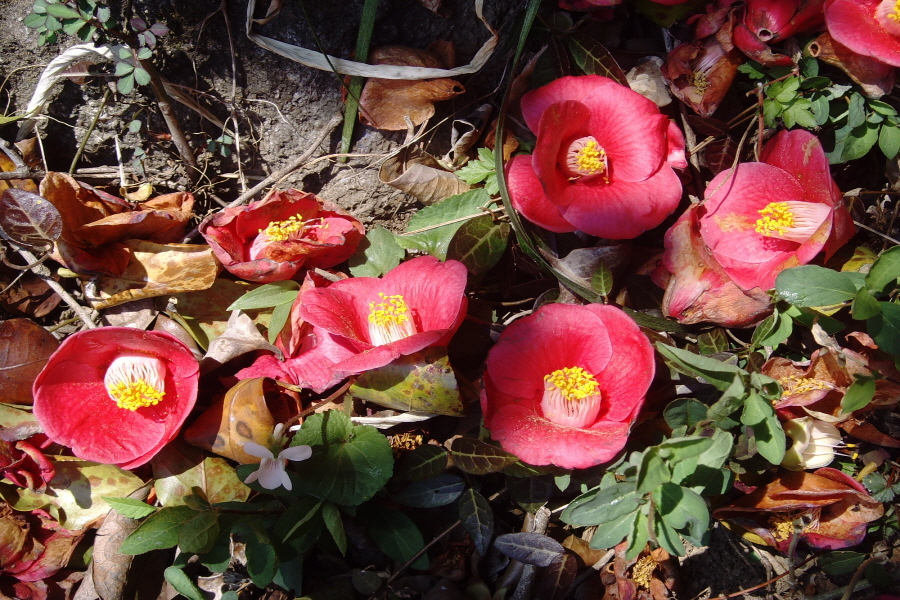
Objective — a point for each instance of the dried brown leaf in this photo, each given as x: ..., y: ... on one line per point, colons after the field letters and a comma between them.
x: 25, y: 347
x: 421, y: 177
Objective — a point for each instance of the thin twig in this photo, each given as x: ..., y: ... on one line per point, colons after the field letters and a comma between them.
x: 858, y: 575
x: 876, y: 232
x: 90, y: 130
x: 44, y: 273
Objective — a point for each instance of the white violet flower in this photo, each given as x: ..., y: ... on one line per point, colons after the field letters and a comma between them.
x: 271, y: 473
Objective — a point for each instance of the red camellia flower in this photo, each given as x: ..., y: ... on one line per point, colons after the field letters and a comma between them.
x: 602, y: 163
x: 768, y: 216
x: 563, y: 385
x: 867, y: 27
x: 116, y: 395
x: 288, y: 230
x: 418, y: 304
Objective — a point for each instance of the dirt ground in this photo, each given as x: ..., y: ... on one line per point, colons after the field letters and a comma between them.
x: 280, y: 107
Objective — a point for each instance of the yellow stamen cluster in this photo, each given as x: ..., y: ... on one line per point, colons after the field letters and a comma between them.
x: 783, y: 524
x: 591, y: 159
x: 574, y: 383
x: 776, y: 218
x: 894, y: 15
x: 280, y: 231
x: 135, y: 395
x: 393, y: 311
x: 794, y: 384
x: 700, y: 82
x: 642, y: 572
x: 135, y: 381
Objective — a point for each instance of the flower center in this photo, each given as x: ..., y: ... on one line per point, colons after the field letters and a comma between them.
x: 571, y: 397
x: 783, y: 524
x: 887, y: 13
x: 585, y: 157
x: 791, y: 220
x: 642, y: 572
x: 136, y: 381
x: 390, y: 320
x: 280, y: 231
x: 794, y: 384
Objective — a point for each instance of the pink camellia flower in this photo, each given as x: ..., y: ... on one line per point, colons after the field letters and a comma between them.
x: 288, y: 230
x: 768, y: 216
x: 697, y: 287
x: 418, y: 304
x: 769, y: 21
x: 867, y: 27
x: 602, y: 163
x: 116, y: 395
x: 563, y: 385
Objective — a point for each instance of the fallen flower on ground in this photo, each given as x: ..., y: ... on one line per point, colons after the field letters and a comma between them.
x: 563, y: 385
x: 767, y: 22
x: 288, y: 230
x: 418, y: 304
x: 271, y: 473
x: 25, y: 465
x: 828, y: 509
x: 867, y: 27
x: 603, y: 162
x: 116, y: 395
x: 813, y: 445
x: 764, y: 217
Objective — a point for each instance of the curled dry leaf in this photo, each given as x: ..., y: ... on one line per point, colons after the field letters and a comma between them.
x: 25, y: 347
x: 181, y: 469
x: 111, y: 571
x: 243, y: 415
x: 271, y: 13
x: 240, y: 337
x: 154, y: 270
x: 384, y: 103
x: 875, y: 77
x: 8, y: 166
x: 30, y: 296
x: 418, y: 174
x: 28, y: 220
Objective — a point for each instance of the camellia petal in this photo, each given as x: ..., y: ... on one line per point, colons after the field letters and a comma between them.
x: 528, y: 197
x: 866, y: 27
x: 562, y: 354
x: 78, y: 409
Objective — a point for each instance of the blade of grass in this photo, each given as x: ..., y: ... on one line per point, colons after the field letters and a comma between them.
x: 363, y: 39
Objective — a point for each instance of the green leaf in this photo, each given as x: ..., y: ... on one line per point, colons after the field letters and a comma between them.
x: 841, y: 562
x: 611, y: 533
x: 640, y: 535
x: 859, y: 141
x: 131, y: 507
x: 712, y: 342
x: 530, y: 548
x: 812, y: 285
x: 123, y: 69
x: 35, y: 20
x: 279, y: 318
x: 667, y: 537
x: 441, y: 221
x: 782, y: 327
x: 265, y: 296
x: 61, y: 11
x: 760, y: 415
x: 858, y: 395
x: 74, y: 26
x: 479, y: 458
x: 602, y: 280
x: 377, y: 254
x: 681, y: 508
x: 198, y: 534
x: 856, y: 112
x: 349, y: 464
x: 397, y: 536
x: 885, y: 328
x: 480, y: 169
x: 438, y: 491
x: 477, y: 519
x: 731, y: 400
x: 889, y: 140
x: 865, y: 305
x: 421, y: 382
x: 335, y: 525
x: 144, y: 54
x: 532, y: 492
x: 593, y: 59
x: 141, y: 76
x: 424, y: 462
x: 183, y: 584
x: 884, y: 271
x: 601, y: 505
x: 685, y: 412
x: 879, y: 488
x: 479, y: 244
x: 160, y: 530
x: 296, y: 516
x: 259, y: 550
x: 716, y: 373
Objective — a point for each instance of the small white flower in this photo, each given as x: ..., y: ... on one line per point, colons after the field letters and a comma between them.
x: 813, y: 444
x: 271, y: 473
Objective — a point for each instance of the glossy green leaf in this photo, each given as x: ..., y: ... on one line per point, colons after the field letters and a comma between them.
x: 301, y: 513
x: 349, y: 464
x: 436, y: 224
x: 377, y: 254
x: 424, y: 462
x: 601, y: 506
x: 182, y: 583
x: 639, y: 535
x: 479, y: 458
x: 477, y: 519
x: 685, y: 412
x: 858, y: 395
x: 681, y: 508
x: 865, y: 305
x: 268, y: 295
x: 335, y: 525
x: 280, y: 316
x: 397, y: 536
x: 812, y: 285
x: 731, y: 400
x: 885, y: 270
x: 889, y: 140
x: 602, y: 280
x: 767, y: 432
x: 479, y: 243
x: 131, y: 507
x: 653, y: 471
x: 716, y: 373
x: 841, y: 562
x: 885, y: 328
x: 438, y: 491
x: 259, y: 551
x: 160, y: 530
x: 780, y: 328
x: 198, y: 534
x: 62, y: 11
x: 612, y: 532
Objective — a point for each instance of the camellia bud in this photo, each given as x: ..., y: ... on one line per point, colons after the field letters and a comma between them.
x: 814, y: 444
